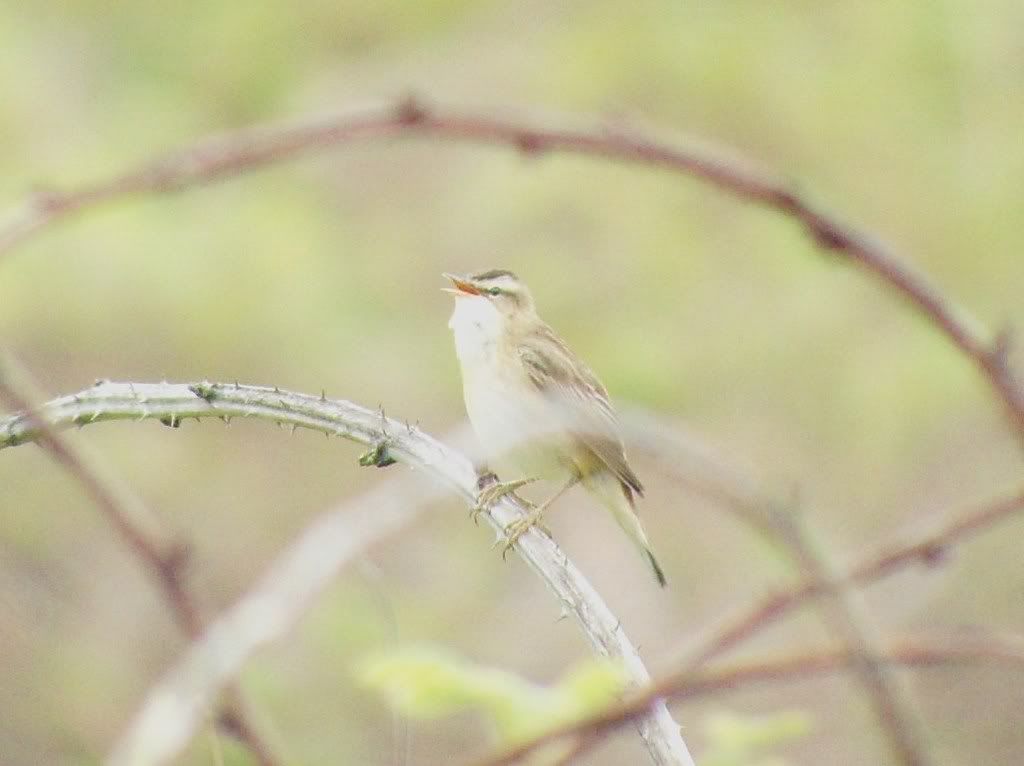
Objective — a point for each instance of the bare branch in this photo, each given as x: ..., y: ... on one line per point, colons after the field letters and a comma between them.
x: 175, y: 705
x: 162, y: 557
x: 782, y: 526
x: 928, y: 548
x: 234, y: 153
x: 847, y: 619
x: 919, y: 652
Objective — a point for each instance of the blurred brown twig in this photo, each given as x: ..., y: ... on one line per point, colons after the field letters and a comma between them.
x: 162, y: 557
x: 175, y: 402
x: 929, y: 548
x: 707, y: 473
x: 916, y: 652
x: 784, y: 528
x: 843, y: 614
x: 235, y: 153
x: 231, y: 154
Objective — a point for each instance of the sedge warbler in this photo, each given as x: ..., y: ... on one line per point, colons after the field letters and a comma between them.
x: 536, y: 407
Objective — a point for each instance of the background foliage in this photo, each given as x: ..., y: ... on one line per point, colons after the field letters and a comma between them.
x: 324, y: 274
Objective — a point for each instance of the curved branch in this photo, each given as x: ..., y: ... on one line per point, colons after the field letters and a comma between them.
x: 234, y: 153
x: 920, y: 652
x: 844, y: 614
x: 841, y: 612
x: 175, y: 706
x: 162, y: 557
x: 928, y: 548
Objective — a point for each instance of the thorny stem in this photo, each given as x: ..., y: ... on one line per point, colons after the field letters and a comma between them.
x: 232, y: 154
x: 174, y: 402
x: 163, y: 558
x: 235, y: 153
x: 173, y: 708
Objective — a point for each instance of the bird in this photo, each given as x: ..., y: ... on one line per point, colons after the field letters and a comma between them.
x: 536, y: 408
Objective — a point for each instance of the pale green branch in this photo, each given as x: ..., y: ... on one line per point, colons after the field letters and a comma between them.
x: 176, y: 705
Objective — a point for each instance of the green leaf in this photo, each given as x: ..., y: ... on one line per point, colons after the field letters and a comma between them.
x: 738, y: 740
x: 428, y: 682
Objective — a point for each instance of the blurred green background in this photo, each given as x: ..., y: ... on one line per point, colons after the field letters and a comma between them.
x: 324, y: 273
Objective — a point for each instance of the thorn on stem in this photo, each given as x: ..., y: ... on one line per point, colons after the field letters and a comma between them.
x: 176, y: 558
x: 529, y: 143
x: 171, y: 421
x: 229, y: 722
x: 410, y: 111
x: 934, y: 555
x: 827, y: 235
x: 50, y: 200
x: 1002, y: 346
x: 787, y: 199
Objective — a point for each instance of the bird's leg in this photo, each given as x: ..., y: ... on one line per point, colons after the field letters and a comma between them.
x: 516, y: 529
x: 492, y: 490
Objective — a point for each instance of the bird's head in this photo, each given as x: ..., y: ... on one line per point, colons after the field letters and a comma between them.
x: 489, y: 304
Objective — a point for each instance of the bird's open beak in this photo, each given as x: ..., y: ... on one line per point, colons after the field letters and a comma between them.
x: 462, y: 287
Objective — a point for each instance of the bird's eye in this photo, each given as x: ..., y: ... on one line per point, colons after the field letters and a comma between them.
x: 494, y: 291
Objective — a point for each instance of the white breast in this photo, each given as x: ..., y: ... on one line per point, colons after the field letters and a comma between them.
x: 477, y: 326
x: 511, y: 420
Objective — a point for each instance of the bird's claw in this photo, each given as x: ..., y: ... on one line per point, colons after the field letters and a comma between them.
x: 494, y: 492
x: 491, y: 493
x: 475, y: 511
x: 517, y: 528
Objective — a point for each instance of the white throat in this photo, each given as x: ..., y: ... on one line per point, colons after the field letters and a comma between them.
x: 477, y: 326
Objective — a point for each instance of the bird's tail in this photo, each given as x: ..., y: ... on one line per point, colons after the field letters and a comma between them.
x: 618, y: 498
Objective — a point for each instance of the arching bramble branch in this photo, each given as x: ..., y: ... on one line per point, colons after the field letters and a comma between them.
x: 231, y: 154
x: 160, y: 555
x: 175, y: 706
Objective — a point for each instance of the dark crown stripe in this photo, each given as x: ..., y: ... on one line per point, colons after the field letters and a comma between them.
x: 493, y: 274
